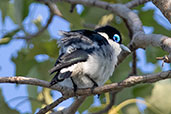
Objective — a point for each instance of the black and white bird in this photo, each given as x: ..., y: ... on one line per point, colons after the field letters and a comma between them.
x: 87, y: 58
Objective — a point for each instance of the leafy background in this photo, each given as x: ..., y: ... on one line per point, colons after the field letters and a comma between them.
x: 33, y: 58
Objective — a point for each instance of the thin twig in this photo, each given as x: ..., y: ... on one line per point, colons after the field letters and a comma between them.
x: 52, y: 105
x: 134, y: 64
x: 72, y: 7
x: 74, y: 106
x: 165, y: 59
x: 39, y: 32
x: 53, y: 7
x: 109, y: 106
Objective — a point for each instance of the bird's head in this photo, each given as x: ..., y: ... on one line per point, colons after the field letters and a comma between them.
x: 113, y: 36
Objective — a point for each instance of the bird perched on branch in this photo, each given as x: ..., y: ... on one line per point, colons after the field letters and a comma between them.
x: 87, y: 58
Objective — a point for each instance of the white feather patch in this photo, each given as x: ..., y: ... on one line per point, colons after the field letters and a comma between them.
x: 70, y: 68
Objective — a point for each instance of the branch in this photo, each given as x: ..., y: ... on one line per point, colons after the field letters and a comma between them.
x: 115, y: 87
x: 134, y: 64
x: 123, y: 11
x: 138, y: 35
x: 131, y: 19
x: 53, y: 11
x: 109, y: 106
x: 119, y: 9
x: 135, y: 3
x: 32, y: 81
x: 68, y: 92
x: 52, y: 6
x: 74, y: 106
x: 52, y: 105
x: 165, y: 7
x: 142, y: 40
x: 39, y: 32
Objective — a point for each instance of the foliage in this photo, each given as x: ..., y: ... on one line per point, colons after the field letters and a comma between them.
x: 27, y: 64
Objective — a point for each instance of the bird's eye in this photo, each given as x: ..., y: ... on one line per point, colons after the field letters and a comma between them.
x: 116, y: 38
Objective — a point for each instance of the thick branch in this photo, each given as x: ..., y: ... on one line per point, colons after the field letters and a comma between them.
x: 133, y: 22
x: 68, y: 92
x: 165, y: 7
x: 123, y: 11
x: 32, y: 81
x: 131, y: 81
x: 157, y: 40
x: 118, y: 9
x: 131, y: 19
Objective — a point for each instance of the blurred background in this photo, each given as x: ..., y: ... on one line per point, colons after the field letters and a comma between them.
x: 35, y: 56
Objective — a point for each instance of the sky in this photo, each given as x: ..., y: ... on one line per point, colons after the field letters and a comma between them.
x: 7, y: 67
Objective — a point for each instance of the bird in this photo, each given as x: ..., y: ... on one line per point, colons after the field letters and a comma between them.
x: 87, y: 58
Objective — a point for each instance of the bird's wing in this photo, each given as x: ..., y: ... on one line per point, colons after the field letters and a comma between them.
x: 84, y: 37
x: 69, y: 59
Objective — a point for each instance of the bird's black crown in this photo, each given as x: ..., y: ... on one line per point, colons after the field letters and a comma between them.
x: 110, y: 31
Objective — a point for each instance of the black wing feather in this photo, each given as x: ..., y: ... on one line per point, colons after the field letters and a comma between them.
x: 69, y: 59
x: 85, y: 36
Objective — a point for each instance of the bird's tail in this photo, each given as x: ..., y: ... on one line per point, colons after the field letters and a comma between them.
x: 60, y: 77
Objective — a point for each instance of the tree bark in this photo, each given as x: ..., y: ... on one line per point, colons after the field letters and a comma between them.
x: 165, y: 7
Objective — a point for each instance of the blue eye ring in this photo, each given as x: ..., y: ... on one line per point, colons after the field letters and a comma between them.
x: 116, y: 38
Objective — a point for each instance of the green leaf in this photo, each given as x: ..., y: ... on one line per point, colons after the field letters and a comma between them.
x: 150, y: 21
x: 110, y: 1
x: 95, y: 13
x: 142, y: 90
x: 153, y: 52
x: 4, y: 4
x: 131, y: 109
x: 73, y: 18
x: 23, y: 63
x: 160, y: 98
x: 33, y: 96
x: 44, y: 47
x: 39, y: 70
x: 121, y: 71
x: 21, y: 9
x: 158, y: 69
x: 8, y: 37
x: 96, y: 109
x: 5, y: 40
x: 124, y: 94
x: 87, y: 103
x: 42, y: 70
x: 42, y: 44
x: 5, y: 109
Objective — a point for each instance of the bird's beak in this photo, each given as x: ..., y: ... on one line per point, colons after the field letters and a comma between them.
x: 123, y: 47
